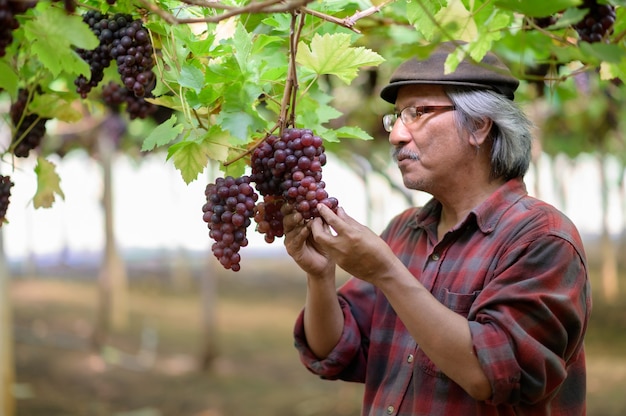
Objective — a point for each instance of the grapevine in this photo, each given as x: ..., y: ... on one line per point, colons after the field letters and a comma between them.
x: 5, y: 194
x: 286, y: 170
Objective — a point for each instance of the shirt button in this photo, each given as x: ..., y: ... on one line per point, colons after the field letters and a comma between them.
x: 390, y: 410
x: 434, y: 256
x: 409, y: 359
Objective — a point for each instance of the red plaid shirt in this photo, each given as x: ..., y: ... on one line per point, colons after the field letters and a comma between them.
x: 516, y: 268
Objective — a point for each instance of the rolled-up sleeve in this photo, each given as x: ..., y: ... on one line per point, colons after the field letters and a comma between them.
x: 347, y: 361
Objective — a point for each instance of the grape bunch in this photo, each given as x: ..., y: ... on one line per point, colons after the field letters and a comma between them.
x: 230, y: 205
x: 100, y: 57
x: 133, y: 53
x: 286, y: 170
x: 114, y: 95
x: 289, y: 170
x: 597, y: 23
x: 5, y: 195
x: 30, y: 127
x: 128, y: 43
x: 8, y: 23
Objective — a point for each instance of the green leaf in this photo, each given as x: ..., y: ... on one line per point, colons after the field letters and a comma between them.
x: 242, y: 42
x: 351, y: 132
x: 421, y: 14
x: 240, y: 123
x: 191, y: 77
x: 332, y: 54
x: 162, y: 134
x: 51, y: 105
x: 537, y: 8
x: 9, y: 80
x: 189, y: 157
x: 52, y: 33
x: 48, y: 184
x: 602, y: 51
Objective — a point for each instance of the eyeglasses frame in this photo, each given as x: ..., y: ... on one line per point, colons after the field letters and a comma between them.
x: 389, y: 120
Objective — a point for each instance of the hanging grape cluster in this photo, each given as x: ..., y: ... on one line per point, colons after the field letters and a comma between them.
x: 595, y: 26
x: 114, y: 96
x: 30, y: 127
x: 5, y: 195
x: 128, y: 43
x: 285, y: 170
x: 288, y: 169
x: 8, y: 22
x: 597, y: 23
x: 228, y: 212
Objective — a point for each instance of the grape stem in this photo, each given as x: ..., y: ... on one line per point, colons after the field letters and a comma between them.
x: 253, y: 147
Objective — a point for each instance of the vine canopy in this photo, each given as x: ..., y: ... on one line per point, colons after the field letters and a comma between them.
x: 231, y: 73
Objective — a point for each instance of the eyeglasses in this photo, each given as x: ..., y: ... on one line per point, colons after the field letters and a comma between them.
x: 410, y: 114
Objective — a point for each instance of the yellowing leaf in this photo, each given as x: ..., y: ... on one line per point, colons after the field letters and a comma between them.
x: 332, y: 54
x: 53, y: 106
x: 48, y: 184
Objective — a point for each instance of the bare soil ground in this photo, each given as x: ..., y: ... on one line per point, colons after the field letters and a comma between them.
x: 152, y: 368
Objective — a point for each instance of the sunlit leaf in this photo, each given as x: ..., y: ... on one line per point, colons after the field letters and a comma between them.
x: 333, y: 54
x: 189, y: 157
x: 48, y: 184
x: 51, y: 35
x: 421, y: 14
x: 53, y: 106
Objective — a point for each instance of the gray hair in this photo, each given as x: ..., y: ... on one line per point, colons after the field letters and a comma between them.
x: 510, y: 134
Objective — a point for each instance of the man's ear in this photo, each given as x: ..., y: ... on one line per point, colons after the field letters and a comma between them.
x: 480, y: 134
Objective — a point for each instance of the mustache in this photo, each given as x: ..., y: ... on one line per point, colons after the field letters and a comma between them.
x: 402, y: 153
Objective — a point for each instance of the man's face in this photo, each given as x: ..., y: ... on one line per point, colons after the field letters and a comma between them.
x: 429, y: 151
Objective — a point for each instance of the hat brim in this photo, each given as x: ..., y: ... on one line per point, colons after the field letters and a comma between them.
x: 390, y: 92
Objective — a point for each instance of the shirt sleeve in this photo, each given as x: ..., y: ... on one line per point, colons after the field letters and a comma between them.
x: 530, y: 320
x: 347, y: 361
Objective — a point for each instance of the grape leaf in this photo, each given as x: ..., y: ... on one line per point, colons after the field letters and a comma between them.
x: 52, y: 105
x: 51, y: 35
x: 352, y: 132
x: 332, y: 54
x: 48, y: 184
x: 189, y: 158
x: 421, y: 14
x: 191, y: 77
x: 162, y: 134
x: 8, y: 78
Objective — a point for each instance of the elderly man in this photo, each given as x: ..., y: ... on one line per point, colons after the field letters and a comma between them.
x: 476, y: 303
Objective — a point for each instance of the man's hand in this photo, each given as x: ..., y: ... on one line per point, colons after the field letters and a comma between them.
x: 302, y: 248
x: 353, y: 246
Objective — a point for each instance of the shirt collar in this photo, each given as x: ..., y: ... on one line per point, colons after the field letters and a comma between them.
x: 487, y: 214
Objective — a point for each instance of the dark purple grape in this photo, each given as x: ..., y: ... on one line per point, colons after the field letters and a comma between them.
x: 598, y: 23
x: 30, y: 128
x: 5, y: 195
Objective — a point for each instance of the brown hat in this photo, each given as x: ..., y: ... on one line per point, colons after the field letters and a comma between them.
x: 492, y: 74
